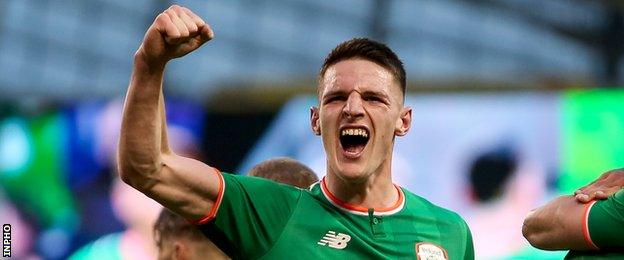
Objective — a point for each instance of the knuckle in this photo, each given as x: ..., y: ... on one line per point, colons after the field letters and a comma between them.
x: 160, y: 18
x: 184, y: 28
x: 177, y: 8
x: 189, y: 23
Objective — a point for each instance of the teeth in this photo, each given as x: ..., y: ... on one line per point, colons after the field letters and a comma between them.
x: 360, y: 132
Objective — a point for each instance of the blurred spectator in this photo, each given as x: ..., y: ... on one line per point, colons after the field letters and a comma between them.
x: 503, y: 189
x: 137, y: 212
x: 21, y: 231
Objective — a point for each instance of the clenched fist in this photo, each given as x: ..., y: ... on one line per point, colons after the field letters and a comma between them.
x: 175, y: 32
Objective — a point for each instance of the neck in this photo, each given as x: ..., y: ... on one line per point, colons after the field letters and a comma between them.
x: 376, y: 192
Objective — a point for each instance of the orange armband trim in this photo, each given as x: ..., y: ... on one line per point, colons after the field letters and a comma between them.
x: 585, y: 226
x: 215, y: 207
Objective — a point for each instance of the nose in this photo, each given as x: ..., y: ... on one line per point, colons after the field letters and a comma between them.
x: 353, y: 108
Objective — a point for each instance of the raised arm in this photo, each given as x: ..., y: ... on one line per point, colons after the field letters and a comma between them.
x: 185, y: 186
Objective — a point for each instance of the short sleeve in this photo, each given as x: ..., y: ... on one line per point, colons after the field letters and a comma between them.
x: 251, y: 215
x: 605, y: 222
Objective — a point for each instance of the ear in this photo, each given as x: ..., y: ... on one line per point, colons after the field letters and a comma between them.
x: 179, y: 250
x: 404, y: 122
x: 314, y: 120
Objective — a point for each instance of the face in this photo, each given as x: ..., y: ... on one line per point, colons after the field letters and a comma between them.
x: 360, y: 111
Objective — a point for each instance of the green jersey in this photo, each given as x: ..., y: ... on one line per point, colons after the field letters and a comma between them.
x: 255, y: 218
x: 603, y: 228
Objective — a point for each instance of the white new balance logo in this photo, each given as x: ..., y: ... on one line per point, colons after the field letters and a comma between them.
x: 334, y: 241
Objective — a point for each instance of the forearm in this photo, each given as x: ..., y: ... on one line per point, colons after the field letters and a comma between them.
x: 556, y: 225
x: 185, y: 186
x: 143, y: 137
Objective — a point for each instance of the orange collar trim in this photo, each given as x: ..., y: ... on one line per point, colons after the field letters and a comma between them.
x: 359, y: 210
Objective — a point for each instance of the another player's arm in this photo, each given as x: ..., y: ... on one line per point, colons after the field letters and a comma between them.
x: 558, y: 225
x: 186, y: 186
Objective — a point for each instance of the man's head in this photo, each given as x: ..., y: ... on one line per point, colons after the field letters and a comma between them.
x: 176, y: 238
x: 285, y: 170
x: 361, y: 92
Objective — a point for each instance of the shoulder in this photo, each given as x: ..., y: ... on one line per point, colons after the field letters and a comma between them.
x: 422, y: 207
x: 257, y: 183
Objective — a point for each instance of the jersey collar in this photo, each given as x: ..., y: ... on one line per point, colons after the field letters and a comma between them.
x: 359, y: 210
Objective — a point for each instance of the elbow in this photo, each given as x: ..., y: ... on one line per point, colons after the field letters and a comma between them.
x: 125, y: 173
x: 538, y: 242
x: 139, y: 176
x: 529, y: 234
x: 534, y: 235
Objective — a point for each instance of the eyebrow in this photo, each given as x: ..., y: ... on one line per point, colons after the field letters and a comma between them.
x: 366, y: 93
x: 334, y: 93
x: 374, y: 93
x: 380, y: 94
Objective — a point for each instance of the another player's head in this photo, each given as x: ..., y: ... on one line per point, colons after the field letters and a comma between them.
x: 361, y: 89
x: 285, y: 170
x: 176, y: 238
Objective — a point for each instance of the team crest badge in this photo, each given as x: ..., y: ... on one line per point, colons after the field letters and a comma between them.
x: 428, y: 251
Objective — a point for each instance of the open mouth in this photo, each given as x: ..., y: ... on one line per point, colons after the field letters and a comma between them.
x: 353, y: 140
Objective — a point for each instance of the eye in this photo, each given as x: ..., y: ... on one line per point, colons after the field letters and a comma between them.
x: 334, y: 99
x: 373, y: 99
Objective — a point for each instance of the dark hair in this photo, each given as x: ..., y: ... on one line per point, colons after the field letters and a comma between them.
x: 285, y: 170
x: 370, y: 50
x: 170, y: 225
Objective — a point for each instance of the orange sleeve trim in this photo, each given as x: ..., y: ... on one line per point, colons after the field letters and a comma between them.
x: 215, y: 207
x: 585, y: 225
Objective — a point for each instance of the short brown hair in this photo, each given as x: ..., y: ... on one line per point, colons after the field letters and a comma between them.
x: 169, y: 225
x: 285, y: 170
x: 370, y: 50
